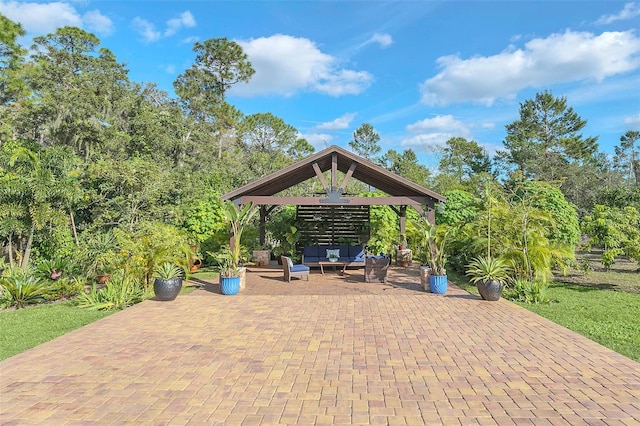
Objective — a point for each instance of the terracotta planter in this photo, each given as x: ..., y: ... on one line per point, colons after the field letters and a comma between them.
x: 195, y: 265
x: 103, y: 278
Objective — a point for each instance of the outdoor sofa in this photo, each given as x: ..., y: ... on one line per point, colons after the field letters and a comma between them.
x: 353, y: 255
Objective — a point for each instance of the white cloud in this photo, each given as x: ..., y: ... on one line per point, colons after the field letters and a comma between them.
x: 431, y: 133
x: 170, y: 69
x: 285, y: 65
x: 318, y: 140
x: 190, y: 40
x: 184, y: 20
x: 97, y: 22
x: 145, y: 29
x: 148, y: 30
x: 572, y: 56
x: 633, y: 122
x: 45, y: 18
x: 339, y: 123
x: 384, y: 40
x: 630, y: 11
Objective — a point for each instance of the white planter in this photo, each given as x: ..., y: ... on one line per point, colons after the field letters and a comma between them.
x: 242, y: 272
x: 425, y: 271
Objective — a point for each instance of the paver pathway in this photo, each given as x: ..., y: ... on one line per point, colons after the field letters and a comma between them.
x: 291, y: 354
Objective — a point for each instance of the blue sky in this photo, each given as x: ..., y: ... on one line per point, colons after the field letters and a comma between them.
x: 420, y: 72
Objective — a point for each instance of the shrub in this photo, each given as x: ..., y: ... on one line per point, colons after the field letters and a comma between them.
x: 47, y: 268
x: 65, y: 288
x: 528, y: 291
x: 120, y: 292
x: 19, y: 288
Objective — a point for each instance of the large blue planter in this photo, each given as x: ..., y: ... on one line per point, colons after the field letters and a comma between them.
x: 438, y: 284
x: 229, y: 285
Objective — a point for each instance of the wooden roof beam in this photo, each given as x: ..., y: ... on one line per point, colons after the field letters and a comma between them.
x: 347, y: 177
x: 320, y: 176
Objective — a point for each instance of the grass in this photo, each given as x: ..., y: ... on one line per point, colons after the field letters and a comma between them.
x: 603, y: 306
x: 205, y: 274
x: 24, y: 329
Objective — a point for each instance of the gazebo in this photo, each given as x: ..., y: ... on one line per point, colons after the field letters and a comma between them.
x: 352, y: 212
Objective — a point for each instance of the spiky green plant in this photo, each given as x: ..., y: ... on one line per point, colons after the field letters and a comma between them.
x: 120, y: 292
x: 486, y: 268
x: 168, y: 271
x: 22, y: 288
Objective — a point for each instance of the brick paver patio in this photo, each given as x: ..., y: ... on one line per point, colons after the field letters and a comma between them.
x: 334, y: 350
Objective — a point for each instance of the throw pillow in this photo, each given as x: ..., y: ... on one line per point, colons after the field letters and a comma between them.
x: 333, y: 253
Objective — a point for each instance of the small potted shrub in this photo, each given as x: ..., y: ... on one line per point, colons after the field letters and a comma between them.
x: 489, y: 275
x: 229, y: 274
x: 431, y: 252
x: 168, y: 282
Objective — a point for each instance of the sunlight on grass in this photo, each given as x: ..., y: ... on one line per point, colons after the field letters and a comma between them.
x: 25, y: 328
x: 611, y: 318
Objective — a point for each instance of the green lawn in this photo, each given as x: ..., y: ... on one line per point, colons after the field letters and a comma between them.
x: 23, y: 329
x: 611, y: 318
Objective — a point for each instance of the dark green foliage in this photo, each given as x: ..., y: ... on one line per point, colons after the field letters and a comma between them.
x: 461, y: 160
x: 407, y: 166
x: 365, y: 142
x: 461, y: 207
x: 550, y: 199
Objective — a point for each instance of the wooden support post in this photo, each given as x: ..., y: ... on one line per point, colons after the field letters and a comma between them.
x: 261, y: 226
x: 403, y: 220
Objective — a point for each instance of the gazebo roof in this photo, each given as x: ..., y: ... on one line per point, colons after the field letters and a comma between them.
x: 334, y: 158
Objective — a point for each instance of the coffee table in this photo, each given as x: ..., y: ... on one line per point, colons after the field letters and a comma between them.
x: 324, y: 263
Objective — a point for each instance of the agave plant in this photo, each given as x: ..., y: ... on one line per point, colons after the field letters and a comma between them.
x: 487, y: 268
x: 20, y: 289
x: 168, y: 271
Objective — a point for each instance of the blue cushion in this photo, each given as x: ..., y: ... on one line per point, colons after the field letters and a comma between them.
x: 310, y: 251
x: 299, y: 268
x: 356, y: 251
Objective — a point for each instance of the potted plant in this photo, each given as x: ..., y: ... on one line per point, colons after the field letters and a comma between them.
x: 168, y: 282
x: 489, y: 274
x: 229, y: 274
x: 430, y: 250
x: 238, y: 219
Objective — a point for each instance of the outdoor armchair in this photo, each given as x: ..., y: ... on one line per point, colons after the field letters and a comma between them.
x: 293, y: 271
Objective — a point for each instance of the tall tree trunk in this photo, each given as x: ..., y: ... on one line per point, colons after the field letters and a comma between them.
x: 27, y: 249
x: 636, y: 170
x: 11, y: 249
x: 73, y: 227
